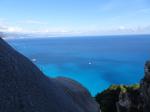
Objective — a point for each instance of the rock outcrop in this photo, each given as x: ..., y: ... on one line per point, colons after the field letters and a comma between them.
x: 122, y: 98
x: 119, y: 98
x: 24, y: 88
x: 129, y: 101
x: 145, y: 88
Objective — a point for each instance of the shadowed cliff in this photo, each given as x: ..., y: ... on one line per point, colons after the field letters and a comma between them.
x: 24, y: 88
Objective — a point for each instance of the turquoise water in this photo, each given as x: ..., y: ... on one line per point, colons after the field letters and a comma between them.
x: 96, y: 62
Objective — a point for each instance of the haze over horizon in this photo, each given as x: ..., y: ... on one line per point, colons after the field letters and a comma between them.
x: 75, y: 17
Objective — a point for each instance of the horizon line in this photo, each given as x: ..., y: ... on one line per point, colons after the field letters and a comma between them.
x: 71, y: 36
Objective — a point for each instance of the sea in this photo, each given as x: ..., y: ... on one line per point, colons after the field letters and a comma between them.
x: 94, y: 61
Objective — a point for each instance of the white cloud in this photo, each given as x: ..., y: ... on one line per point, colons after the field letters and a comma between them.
x: 10, y: 29
x: 65, y: 32
x: 5, y: 27
x: 68, y: 32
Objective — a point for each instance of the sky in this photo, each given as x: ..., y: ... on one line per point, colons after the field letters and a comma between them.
x: 75, y: 17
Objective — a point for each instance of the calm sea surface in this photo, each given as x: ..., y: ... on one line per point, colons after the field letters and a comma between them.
x: 96, y: 62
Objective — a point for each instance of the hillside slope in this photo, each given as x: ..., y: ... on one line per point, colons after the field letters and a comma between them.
x: 24, y: 88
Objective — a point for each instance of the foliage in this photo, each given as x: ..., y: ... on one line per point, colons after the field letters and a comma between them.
x: 108, y: 98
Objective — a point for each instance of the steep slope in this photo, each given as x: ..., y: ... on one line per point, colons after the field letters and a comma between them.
x: 24, y: 88
x: 145, y: 88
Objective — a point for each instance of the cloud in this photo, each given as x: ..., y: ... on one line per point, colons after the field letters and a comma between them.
x: 70, y: 32
x: 10, y: 29
x: 5, y: 27
x: 119, y: 30
x: 132, y: 30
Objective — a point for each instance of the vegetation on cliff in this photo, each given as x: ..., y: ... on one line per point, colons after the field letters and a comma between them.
x: 122, y: 98
x: 109, y: 98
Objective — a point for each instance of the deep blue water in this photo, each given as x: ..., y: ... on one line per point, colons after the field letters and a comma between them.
x: 96, y: 62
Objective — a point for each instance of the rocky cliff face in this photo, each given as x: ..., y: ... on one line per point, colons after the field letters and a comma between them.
x: 121, y: 98
x: 130, y: 101
x: 24, y: 88
x: 145, y: 88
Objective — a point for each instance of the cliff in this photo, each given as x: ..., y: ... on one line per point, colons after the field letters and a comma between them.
x: 24, y: 88
x: 122, y: 98
x: 145, y: 89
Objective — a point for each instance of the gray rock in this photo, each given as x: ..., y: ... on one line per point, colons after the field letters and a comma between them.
x: 24, y: 88
x: 124, y: 103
